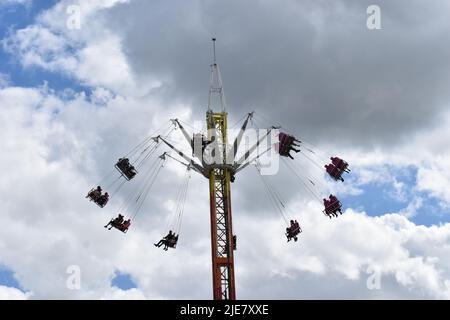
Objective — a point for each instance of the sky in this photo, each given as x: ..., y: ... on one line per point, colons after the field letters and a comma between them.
x: 76, y: 97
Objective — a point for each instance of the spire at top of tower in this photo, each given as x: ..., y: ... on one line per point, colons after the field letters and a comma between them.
x: 215, y: 84
x: 214, y: 50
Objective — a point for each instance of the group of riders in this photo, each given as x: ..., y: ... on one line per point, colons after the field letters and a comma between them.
x: 293, y: 231
x: 96, y: 195
x: 336, y: 168
x: 332, y: 206
x: 126, y: 168
x: 286, y: 144
x: 169, y: 241
x: 119, y: 223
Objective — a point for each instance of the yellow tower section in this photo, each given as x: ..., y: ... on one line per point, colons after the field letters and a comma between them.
x: 222, y: 243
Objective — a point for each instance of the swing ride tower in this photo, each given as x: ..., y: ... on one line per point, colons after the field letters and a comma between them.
x: 222, y: 243
x: 214, y: 158
x: 219, y: 166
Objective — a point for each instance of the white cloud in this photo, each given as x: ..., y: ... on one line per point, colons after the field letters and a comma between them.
x: 38, y: 46
x: 91, y: 55
x: 8, y: 293
x: 117, y: 294
x: 345, y: 248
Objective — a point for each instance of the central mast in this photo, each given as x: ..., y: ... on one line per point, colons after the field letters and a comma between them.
x: 222, y: 243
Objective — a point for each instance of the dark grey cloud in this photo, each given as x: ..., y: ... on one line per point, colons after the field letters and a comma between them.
x: 311, y: 65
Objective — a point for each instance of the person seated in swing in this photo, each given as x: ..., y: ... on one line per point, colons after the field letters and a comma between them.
x: 281, y: 145
x: 291, y: 235
x: 286, y: 145
x: 335, y: 204
x: 293, y: 230
x: 94, y: 194
x: 291, y: 143
x: 328, y: 211
x: 334, y: 172
x: 103, y: 200
x: 126, y: 168
x: 171, y: 242
x: 124, y: 226
x: 121, y: 164
x: 124, y: 162
x: 131, y: 172
x: 340, y: 164
x: 164, y: 239
x: 282, y: 137
x: 115, y: 222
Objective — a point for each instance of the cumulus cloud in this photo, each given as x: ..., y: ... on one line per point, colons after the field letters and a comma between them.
x: 348, y: 250
x: 92, y: 55
x: 8, y: 293
x: 313, y: 66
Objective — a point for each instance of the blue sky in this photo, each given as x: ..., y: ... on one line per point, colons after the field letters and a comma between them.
x: 16, y: 17
x: 123, y: 281
x: 380, y: 197
x: 8, y: 279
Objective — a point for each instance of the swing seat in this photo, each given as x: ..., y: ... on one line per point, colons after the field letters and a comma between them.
x: 293, y: 232
x: 120, y: 226
x: 126, y: 169
x: 335, y: 206
x: 332, y: 208
x: 172, y: 242
x: 336, y: 174
x: 97, y: 197
x: 285, y: 144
